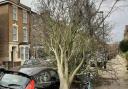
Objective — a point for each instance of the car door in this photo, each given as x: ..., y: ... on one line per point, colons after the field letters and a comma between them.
x: 54, y: 79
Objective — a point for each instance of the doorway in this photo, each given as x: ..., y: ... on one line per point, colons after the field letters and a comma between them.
x: 13, y: 55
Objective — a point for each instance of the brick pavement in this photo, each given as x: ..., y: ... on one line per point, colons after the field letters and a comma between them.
x: 116, y: 77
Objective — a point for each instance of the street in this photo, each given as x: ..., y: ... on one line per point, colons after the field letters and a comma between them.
x: 116, y: 77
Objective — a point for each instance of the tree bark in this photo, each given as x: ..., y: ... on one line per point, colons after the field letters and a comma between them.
x: 63, y: 79
x: 64, y: 84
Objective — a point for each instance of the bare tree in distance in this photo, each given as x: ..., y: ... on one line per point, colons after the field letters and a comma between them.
x: 72, y: 32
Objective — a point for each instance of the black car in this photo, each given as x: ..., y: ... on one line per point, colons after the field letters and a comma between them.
x: 44, y: 77
x: 47, y: 77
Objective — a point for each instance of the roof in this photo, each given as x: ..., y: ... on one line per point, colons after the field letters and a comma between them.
x: 18, y: 4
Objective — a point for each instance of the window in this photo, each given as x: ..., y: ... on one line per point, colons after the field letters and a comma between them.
x: 14, y: 13
x: 26, y: 53
x: 22, y: 53
x: 15, y: 33
x: 24, y: 16
x: 14, y: 79
x: 25, y: 35
x: 54, y: 75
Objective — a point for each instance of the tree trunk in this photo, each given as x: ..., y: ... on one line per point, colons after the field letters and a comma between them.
x: 64, y: 84
x: 63, y: 79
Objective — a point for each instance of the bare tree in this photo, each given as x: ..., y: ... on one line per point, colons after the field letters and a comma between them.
x: 71, y: 32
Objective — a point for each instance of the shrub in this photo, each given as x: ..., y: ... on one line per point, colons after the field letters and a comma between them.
x: 124, y: 46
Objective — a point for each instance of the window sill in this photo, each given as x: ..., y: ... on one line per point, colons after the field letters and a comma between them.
x: 15, y: 41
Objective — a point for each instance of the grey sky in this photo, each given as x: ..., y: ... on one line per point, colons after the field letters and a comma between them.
x: 27, y: 2
x: 119, y: 18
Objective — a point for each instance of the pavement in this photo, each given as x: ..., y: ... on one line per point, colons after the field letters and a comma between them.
x: 115, y: 76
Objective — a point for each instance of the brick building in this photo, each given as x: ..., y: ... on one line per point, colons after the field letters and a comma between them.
x: 126, y: 33
x: 14, y: 32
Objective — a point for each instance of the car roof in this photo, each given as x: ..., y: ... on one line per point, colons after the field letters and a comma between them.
x: 31, y: 71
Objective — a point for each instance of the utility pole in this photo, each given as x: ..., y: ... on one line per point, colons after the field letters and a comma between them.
x: 104, y: 43
x: 103, y: 38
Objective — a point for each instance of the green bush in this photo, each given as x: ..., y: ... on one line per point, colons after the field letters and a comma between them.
x: 124, y: 46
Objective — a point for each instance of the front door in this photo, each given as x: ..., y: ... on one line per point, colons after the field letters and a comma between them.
x: 13, y: 55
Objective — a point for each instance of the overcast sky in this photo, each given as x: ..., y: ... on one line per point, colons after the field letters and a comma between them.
x: 119, y: 18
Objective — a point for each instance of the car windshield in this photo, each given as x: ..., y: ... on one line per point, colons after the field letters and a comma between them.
x: 14, y: 80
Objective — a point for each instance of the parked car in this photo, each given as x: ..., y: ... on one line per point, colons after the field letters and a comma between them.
x: 47, y: 77
x: 16, y: 80
x: 44, y: 77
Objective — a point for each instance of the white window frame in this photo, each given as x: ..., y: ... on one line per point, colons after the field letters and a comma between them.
x: 15, y: 26
x: 25, y: 34
x: 22, y: 50
x: 24, y: 53
x: 15, y: 13
x: 25, y: 16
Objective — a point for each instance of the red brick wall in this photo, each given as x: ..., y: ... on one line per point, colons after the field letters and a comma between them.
x: 3, y: 31
x: 19, y: 22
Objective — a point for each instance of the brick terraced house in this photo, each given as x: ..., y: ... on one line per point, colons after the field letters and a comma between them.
x: 14, y: 32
